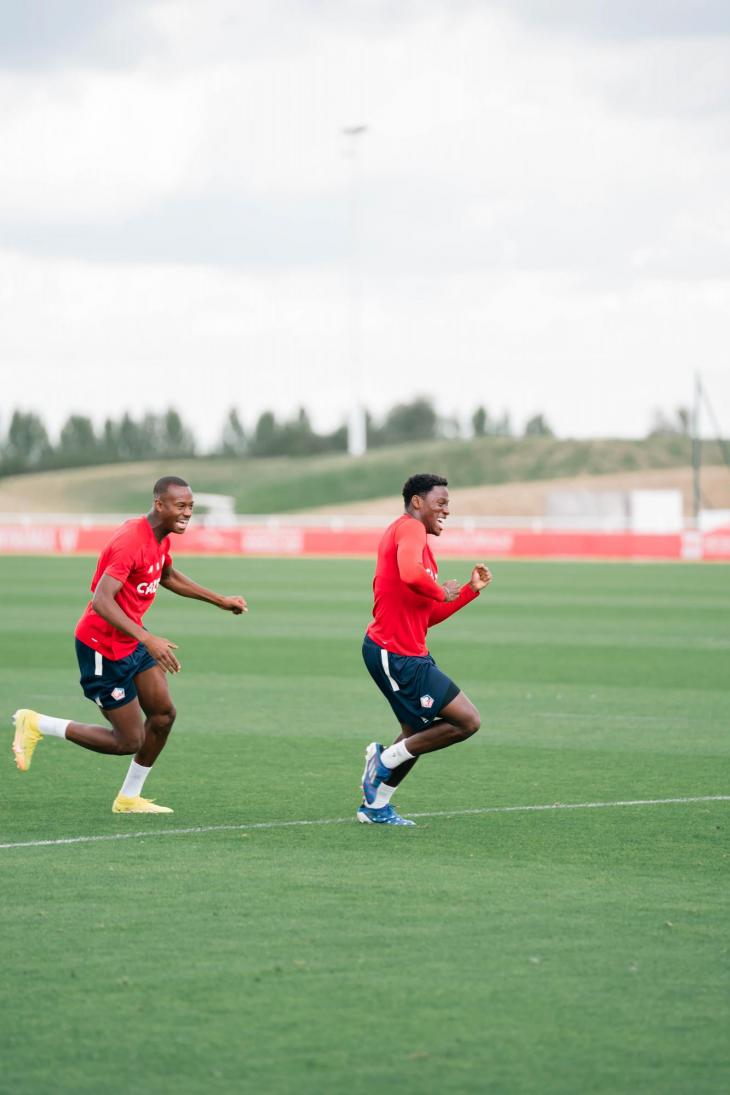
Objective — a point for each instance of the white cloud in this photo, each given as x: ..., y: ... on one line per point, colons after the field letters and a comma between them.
x: 88, y: 147
x: 545, y: 215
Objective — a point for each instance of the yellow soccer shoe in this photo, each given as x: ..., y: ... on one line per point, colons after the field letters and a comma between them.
x: 124, y: 804
x: 27, y: 736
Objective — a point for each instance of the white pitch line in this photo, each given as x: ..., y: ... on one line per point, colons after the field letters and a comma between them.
x: 341, y: 820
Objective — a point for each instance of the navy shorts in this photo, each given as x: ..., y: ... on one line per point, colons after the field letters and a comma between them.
x: 111, y: 683
x: 415, y: 688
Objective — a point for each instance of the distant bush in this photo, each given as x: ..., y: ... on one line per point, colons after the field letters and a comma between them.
x: 27, y: 447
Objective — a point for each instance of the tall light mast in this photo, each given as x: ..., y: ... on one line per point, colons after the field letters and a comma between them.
x: 356, y: 422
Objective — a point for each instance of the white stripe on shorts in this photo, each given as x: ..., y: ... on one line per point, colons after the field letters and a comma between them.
x: 98, y: 668
x: 386, y: 670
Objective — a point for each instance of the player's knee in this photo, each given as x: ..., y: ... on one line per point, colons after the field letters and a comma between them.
x: 130, y: 743
x: 470, y: 723
x: 162, y: 721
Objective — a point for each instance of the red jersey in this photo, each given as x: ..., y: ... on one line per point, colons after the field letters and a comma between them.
x: 134, y: 556
x: 408, y: 598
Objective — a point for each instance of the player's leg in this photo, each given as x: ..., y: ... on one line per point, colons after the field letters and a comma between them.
x: 457, y: 721
x: 125, y: 735
x: 381, y: 808
x: 154, y: 696
x: 432, y: 711
x: 399, y: 773
x: 122, y: 737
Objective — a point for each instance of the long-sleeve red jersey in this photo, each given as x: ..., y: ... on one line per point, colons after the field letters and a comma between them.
x: 408, y: 598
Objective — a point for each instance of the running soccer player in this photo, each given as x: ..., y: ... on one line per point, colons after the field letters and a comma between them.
x: 122, y: 665
x: 432, y: 711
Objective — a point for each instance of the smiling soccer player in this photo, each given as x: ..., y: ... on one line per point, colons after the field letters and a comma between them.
x: 122, y: 665
x: 432, y: 711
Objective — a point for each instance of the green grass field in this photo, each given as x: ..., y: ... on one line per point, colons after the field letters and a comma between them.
x: 487, y: 950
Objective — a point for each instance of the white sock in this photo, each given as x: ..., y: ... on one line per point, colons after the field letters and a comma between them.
x: 54, y: 728
x: 383, y: 796
x: 396, y: 754
x: 134, y: 782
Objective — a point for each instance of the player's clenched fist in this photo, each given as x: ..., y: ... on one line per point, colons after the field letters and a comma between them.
x: 236, y: 605
x: 481, y: 576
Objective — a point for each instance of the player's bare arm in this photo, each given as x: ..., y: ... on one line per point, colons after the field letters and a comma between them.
x: 179, y: 583
x: 451, y: 589
x: 106, y: 606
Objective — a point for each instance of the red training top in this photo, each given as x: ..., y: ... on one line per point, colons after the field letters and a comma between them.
x: 134, y: 556
x: 408, y: 598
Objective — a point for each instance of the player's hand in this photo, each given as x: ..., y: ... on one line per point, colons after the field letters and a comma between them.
x: 236, y: 605
x: 162, y: 651
x: 451, y: 589
x: 481, y: 576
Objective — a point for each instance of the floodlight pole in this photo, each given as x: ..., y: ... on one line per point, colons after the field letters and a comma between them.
x: 696, y: 452
x: 356, y: 423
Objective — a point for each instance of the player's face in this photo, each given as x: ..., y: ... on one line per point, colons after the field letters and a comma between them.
x: 435, y: 509
x: 175, y: 508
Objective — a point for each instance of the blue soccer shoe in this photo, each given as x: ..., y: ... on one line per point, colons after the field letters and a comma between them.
x: 384, y: 815
x: 374, y: 772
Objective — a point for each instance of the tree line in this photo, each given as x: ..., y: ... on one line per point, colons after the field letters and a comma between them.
x: 26, y: 444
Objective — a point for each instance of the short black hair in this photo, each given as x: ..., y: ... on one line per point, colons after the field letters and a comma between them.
x: 422, y: 484
x: 162, y: 485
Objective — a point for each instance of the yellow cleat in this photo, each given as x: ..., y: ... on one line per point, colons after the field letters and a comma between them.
x: 123, y: 804
x: 27, y: 736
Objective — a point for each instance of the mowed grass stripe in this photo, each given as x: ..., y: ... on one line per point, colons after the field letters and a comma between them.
x: 199, y: 829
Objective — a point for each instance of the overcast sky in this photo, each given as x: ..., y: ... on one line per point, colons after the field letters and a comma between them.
x: 544, y: 207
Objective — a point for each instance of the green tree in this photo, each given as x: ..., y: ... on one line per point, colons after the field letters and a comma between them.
x: 502, y: 427
x: 416, y: 421
x: 479, y: 422
x: 233, y: 438
x: 537, y: 426
x: 668, y: 426
x: 77, y: 443
x: 109, y: 441
x: 265, y: 436
x: 130, y: 439
x: 174, y: 436
x: 27, y: 444
x: 297, y: 438
x: 335, y: 441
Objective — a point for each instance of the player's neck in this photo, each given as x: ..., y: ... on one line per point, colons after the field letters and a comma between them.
x: 155, y: 524
x: 410, y: 513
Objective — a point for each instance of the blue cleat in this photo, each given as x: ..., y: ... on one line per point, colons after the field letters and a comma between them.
x: 384, y: 815
x: 374, y: 772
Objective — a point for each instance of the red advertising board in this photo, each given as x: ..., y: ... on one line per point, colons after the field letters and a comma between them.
x: 297, y: 540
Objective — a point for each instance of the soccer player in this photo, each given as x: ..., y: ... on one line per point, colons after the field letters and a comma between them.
x: 122, y: 665
x: 432, y: 711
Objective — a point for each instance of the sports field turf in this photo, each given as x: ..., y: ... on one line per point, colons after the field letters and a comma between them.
x: 487, y: 950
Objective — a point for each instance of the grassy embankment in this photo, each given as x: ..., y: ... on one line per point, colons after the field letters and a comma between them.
x: 279, y: 485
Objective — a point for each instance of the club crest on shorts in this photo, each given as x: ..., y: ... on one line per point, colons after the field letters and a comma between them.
x: 426, y: 701
x: 118, y: 693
